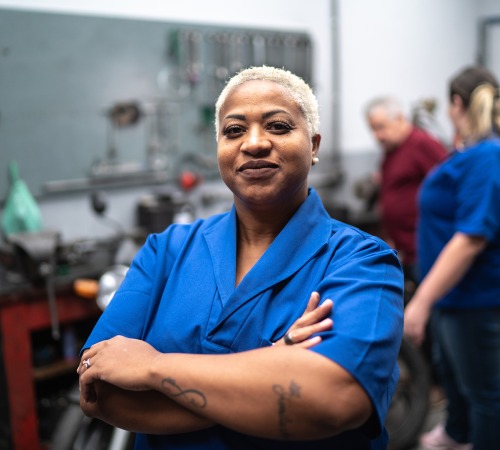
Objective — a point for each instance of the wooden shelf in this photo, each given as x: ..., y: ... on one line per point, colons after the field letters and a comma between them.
x: 62, y: 367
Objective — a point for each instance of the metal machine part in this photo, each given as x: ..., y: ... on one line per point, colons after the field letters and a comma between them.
x: 109, y: 283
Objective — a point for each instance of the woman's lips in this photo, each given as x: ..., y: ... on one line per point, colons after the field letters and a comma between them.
x: 260, y: 164
x: 258, y: 169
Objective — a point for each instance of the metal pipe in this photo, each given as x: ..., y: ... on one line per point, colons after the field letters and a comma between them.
x: 334, y: 20
x: 482, y: 54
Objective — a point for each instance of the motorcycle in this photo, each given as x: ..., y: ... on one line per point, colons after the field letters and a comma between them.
x: 410, y: 402
x: 75, y: 431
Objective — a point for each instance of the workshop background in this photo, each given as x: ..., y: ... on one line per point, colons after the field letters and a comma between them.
x: 106, y: 116
x: 65, y: 63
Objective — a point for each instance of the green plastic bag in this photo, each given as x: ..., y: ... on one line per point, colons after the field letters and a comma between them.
x: 21, y: 212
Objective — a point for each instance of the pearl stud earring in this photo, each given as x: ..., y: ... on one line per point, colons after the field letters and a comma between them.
x: 315, y: 161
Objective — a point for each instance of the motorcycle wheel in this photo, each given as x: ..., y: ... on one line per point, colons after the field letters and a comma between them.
x: 410, y: 403
x: 75, y: 431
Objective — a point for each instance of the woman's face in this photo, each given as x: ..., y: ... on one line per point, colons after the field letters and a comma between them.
x: 457, y: 114
x: 264, y: 148
x: 454, y: 111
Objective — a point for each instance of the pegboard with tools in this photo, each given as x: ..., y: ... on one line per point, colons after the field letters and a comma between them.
x: 200, y: 60
x: 100, y: 94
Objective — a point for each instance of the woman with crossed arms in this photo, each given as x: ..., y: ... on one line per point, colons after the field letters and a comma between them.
x: 184, y: 353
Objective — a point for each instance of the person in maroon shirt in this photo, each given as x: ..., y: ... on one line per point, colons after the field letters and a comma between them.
x: 409, y: 153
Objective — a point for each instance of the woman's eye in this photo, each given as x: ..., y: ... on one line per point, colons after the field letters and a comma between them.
x: 280, y: 127
x: 233, y: 131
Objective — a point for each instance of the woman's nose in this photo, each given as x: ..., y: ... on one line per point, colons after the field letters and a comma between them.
x: 256, y: 140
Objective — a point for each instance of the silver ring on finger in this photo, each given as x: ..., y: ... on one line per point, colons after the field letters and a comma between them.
x: 288, y: 339
x: 86, y: 363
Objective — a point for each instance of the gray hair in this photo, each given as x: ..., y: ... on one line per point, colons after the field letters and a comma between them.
x: 389, y: 105
x: 296, y: 87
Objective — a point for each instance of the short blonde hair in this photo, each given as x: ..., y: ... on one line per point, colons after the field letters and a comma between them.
x: 296, y: 87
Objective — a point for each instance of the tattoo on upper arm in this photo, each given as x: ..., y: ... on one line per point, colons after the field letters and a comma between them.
x: 194, y: 397
x: 283, y: 396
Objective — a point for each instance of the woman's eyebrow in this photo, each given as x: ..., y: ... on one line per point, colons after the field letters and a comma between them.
x: 235, y: 116
x: 264, y: 115
x: 273, y: 112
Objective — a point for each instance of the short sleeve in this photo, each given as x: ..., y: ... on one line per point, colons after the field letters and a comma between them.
x: 366, y: 286
x: 478, y: 194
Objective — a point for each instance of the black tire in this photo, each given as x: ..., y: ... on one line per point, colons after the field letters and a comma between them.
x: 75, y: 431
x: 69, y: 424
x: 410, y: 404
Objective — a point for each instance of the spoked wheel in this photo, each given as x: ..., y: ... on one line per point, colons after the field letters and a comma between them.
x: 75, y: 431
x: 410, y: 404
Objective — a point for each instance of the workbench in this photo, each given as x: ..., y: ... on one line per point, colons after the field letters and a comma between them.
x: 25, y: 327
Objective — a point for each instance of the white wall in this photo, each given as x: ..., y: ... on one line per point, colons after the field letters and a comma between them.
x: 405, y: 48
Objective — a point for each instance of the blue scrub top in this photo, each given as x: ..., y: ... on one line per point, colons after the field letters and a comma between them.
x: 463, y: 195
x: 180, y: 296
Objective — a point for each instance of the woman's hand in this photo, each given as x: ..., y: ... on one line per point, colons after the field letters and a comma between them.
x: 120, y: 361
x: 313, y: 320
x: 450, y: 267
x: 416, y: 316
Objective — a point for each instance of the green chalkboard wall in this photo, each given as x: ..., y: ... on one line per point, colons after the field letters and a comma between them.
x: 61, y: 75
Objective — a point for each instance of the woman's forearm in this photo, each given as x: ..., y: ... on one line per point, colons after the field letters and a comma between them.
x: 278, y: 393
x: 454, y: 261
x: 146, y: 412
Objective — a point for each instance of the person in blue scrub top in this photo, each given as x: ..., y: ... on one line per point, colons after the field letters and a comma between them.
x: 459, y: 261
x: 184, y: 355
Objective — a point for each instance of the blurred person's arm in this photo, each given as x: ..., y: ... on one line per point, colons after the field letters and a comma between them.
x: 453, y: 262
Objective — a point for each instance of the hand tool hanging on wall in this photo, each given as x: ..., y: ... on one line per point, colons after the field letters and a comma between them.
x: 259, y: 49
x: 119, y: 116
x: 194, y: 65
x: 172, y: 78
x: 238, y: 51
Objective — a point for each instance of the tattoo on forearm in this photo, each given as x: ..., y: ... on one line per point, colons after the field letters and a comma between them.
x: 283, y: 396
x: 194, y: 397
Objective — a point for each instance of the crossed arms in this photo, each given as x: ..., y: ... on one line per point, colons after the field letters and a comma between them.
x: 278, y: 392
